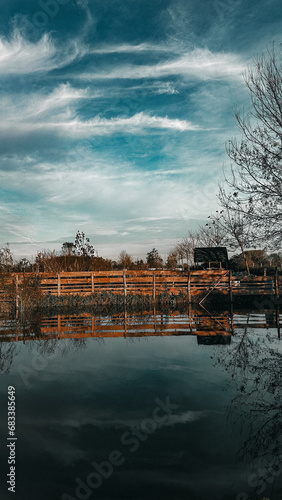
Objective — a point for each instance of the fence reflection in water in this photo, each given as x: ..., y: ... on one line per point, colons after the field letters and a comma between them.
x: 209, y: 328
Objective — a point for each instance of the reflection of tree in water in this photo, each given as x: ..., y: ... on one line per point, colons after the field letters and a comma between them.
x: 60, y: 347
x: 32, y: 324
x: 255, y: 366
x: 29, y: 327
x: 77, y: 344
x: 7, y: 351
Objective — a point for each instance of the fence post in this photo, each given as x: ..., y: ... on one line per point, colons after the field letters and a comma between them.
x: 124, y: 282
x: 189, y: 287
x: 154, y: 286
x: 59, y: 284
x: 92, y: 282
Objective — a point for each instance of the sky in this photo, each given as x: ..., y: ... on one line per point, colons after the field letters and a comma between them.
x: 115, y: 115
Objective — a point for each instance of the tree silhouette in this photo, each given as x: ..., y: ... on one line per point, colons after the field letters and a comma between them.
x: 82, y: 245
x: 154, y: 259
x: 255, y: 182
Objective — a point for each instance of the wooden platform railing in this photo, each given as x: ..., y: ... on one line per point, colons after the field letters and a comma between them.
x: 145, y: 282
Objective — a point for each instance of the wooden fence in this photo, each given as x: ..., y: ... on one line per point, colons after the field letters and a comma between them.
x: 149, y: 282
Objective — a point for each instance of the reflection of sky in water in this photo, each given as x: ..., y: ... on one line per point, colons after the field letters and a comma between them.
x: 76, y: 409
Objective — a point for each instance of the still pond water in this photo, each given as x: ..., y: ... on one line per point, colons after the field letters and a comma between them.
x: 150, y: 407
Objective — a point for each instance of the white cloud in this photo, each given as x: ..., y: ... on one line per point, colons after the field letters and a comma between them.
x: 19, y: 56
x: 14, y: 227
x: 161, y: 87
x: 28, y: 109
x: 57, y: 113
x: 111, y: 200
x: 129, y: 48
x: 199, y: 63
x: 133, y: 124
x: 53, y: 115
x: 93, y: 185
x: 61, y: 97
x: 159, y: 201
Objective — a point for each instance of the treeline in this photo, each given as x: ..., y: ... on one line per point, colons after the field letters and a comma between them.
x: 181, y: 257
x: 76, y: 257
x: 213, y: 235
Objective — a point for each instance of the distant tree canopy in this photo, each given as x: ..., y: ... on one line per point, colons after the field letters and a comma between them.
x: 154, y: 259
x: 171, y: 262
x: 24, y: 265
x: 255, y: 259
x: 125, y: 260
x: 275, y: 259
x: 82, y: 245
x: 67, y: 248
x: 6, y: 259
x: 50, y: 262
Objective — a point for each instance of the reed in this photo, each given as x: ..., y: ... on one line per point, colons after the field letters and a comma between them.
x: 105, y: 301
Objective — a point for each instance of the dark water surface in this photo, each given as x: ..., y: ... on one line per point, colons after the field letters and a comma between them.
x: 121, y: 416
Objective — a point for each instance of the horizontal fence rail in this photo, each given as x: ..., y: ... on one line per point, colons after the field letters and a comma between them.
x: 149, y: 282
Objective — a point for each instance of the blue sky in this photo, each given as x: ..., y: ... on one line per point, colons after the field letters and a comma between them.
x: 115, y: 114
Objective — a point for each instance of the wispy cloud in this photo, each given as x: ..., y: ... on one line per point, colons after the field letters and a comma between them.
x: 57, y: 113
x: 77, y: 129
x: 61, y: 103
x: 164, y: 88
x: 92, y: 185
x: 133, y: 124
x: 14, y: 227
x: 200, y: 63
x: 19, y: 56
x: 131, y: 48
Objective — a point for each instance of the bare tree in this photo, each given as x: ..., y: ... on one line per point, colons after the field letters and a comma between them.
x: 213, y: 234
x: 235, y: 227
x: 276, y: 259
x: 185, y: 248
x: 171, y: 262
x: 6, y: 259
x: 124, y: 259
x: 256, y: 172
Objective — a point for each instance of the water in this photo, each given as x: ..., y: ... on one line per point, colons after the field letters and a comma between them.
x: 141, y: 407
